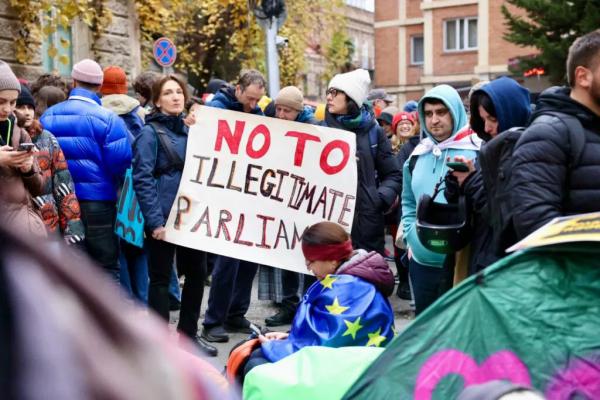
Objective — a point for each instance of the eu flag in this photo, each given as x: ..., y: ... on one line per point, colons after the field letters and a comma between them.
x: 341, y: 310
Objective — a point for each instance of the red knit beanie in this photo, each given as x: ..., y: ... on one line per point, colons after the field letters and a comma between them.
x: 115, y: 81
x: 402, y: 116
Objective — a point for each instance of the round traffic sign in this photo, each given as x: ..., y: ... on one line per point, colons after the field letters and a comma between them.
x: 164, y: 52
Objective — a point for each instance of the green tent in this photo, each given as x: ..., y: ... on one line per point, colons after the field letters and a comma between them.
x: 532, y: 318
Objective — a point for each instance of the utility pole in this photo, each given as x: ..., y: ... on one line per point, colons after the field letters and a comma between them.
x: 270, y: 15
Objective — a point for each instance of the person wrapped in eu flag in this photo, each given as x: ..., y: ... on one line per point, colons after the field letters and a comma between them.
x: 347, y: 306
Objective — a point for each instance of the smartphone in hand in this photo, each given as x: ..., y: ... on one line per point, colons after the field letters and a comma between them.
x: 25, y: 147
x: 458, y: 166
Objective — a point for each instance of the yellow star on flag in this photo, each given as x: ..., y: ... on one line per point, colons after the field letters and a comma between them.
x: 328, y: 281
x: 375, y: 338
x: 336, y: 308
x: 353, y: 328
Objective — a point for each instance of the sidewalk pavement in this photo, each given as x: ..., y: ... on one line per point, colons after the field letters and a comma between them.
x: 261, y: 309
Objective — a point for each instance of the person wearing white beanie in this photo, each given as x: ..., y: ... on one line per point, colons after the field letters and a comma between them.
x: 378, y: 172
x: 355, y: 84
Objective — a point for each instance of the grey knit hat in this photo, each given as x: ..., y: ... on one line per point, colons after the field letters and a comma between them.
x: 8, y: 80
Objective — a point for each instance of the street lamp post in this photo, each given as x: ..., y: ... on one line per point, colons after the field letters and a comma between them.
x: 270, y: 15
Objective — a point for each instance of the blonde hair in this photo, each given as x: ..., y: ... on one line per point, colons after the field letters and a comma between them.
x: 399, y: 141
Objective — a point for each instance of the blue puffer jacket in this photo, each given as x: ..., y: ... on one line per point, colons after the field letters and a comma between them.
x: 225, y: 99
x: 94, y: 141
x: 155, y: 190
x: 307, y: 116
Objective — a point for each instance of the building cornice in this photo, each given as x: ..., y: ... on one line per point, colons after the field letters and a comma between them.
x: 429, y: 5
x: 399, y: 22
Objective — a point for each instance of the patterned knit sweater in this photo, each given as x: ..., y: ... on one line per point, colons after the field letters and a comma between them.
x: 58, y: 204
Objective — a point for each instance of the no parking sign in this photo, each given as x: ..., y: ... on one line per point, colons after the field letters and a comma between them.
x: 164, y: 52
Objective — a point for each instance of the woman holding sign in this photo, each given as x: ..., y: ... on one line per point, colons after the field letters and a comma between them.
x: 379, y: 176
x: 159, y: 151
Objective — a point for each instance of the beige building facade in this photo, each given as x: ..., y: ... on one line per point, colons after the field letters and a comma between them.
x: 360, y: 20
x: 420, y: 44
x: 118, y: 44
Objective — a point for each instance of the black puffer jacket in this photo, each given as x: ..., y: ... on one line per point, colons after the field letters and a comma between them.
x: 544, y: 185
x: 379, y: 182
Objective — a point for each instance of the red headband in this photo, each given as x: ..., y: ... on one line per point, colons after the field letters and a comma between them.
x: 327, y: 252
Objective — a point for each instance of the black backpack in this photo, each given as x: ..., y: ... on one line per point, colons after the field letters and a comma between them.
x: 496, y: 158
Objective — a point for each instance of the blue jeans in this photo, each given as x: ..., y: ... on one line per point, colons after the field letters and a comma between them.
x: 428, y: 284
x: 101, y: 243
x: 134, y: 271
x: 230, y: 290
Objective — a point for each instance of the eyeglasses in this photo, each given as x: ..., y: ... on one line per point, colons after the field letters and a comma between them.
x: 333, y: 92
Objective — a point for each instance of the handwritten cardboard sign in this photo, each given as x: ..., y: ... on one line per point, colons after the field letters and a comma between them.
x: 251, y: 186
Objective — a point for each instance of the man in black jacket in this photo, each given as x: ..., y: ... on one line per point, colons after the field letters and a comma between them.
x: 231, y: 286
x: 553, y: 174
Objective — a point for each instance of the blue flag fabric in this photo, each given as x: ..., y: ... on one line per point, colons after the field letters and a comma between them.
x: 341, y: 310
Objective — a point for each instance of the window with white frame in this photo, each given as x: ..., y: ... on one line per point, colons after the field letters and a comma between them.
x: 460, y: 34
x: 417, y: 52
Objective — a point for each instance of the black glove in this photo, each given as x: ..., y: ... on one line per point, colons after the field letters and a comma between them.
x: 452, y: 190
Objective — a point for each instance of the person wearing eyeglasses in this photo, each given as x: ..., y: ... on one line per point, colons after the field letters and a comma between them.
x: 379, y: 179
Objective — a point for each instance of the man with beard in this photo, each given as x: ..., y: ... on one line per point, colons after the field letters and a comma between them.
x: 556, y: 165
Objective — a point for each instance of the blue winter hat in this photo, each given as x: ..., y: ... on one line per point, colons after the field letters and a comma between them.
x: 410, y: 106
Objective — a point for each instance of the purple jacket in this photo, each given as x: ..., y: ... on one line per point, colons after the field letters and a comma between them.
x: 371, y: 267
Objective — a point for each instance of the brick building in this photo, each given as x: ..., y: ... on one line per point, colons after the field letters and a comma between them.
x: 419, y: 44
x: 118, y: 45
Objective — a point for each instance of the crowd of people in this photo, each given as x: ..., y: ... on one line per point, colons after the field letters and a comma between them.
x: 493, y: 164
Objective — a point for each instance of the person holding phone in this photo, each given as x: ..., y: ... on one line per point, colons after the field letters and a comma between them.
x: 20, y: 176
x: 444, y: 120
x: 495, y: 107
x: 58, y: 204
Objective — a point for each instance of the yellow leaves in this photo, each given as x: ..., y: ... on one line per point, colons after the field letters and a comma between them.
x: 63, y: 60
x: 64, y: 43
x: 52, y: 51
x: 48, y: 30
x: 42, y: 17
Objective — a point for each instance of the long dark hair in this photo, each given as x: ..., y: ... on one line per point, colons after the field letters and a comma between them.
x: 481, y: 98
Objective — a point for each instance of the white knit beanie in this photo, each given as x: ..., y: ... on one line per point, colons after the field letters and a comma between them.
x: 354, y: 83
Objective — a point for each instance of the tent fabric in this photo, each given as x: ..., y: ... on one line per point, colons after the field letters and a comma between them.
x: 314, y: 372
x: 532, y: 318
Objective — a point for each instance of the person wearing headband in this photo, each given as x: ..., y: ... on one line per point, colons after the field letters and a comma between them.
x: 348, y: 304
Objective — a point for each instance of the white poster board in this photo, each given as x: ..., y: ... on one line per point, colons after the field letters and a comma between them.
x: 251, y: 185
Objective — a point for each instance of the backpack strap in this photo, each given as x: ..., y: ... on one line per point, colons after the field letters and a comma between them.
x: 412, y: 161
x: 175, y: 162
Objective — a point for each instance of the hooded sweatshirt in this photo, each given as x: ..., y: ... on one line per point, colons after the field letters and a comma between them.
x: 511, y: 102
x: 429, y: 168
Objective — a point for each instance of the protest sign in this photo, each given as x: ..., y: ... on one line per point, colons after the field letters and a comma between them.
x: 129, y: 225
x: 251, y: 186
x: 574, y: 228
